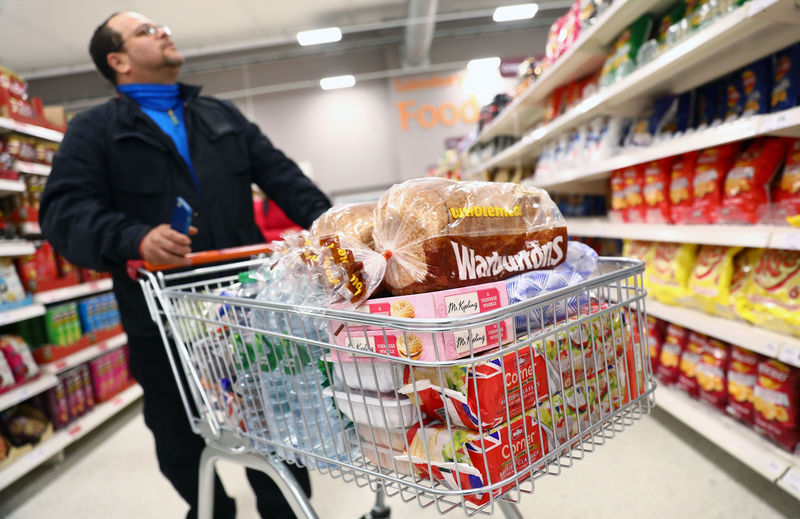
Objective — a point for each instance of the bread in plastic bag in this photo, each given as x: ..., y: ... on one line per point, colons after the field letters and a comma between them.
x: 355, y: 221
x: 439, y: 233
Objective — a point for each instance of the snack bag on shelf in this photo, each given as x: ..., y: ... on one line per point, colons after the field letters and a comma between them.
x: 670, y: 270
x: 438, y: 233
x: 710, y: 280
x: 353, y: 220
x: 742, y: 373
x: 619, y: 200
x: 746, y: 189
x: 756, y: 83
x: 734, y: 95
x: 690, y: 360
x: 787, y: 192
x: 773, y: 296
x: 712, y: 373
x: 6, y: 374
x: 700, y: 13
x: 709, y: 176
x: 622, y: 57
x: 787, y: 79
x: 465, y: 459
x: 744, y: 265
x: 680, y: 120
x: 672, y: 347
x: 706, y: 105
x: 776, y: 402
x: 658, y: 115
x: 13, y: 292
x: 19, y: 357
x: 555, y: 105
x: 656, y: 190
x: 681, y: 187
x: 634, y: 197
x: 655, y: 337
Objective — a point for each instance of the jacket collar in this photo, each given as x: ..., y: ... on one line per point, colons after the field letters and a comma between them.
x: 129, y: 110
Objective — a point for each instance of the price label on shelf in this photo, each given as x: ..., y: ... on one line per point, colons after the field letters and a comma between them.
x: 791, y: 481
x: 775, y: 469
x: 75, y: 430
x: 62, y: 365
x: 771, y: 349
x: 756, y: 6
x: 775, y: 122
x: 789, y: 354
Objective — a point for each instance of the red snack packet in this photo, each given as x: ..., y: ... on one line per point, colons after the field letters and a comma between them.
x: 775, y: 402
x: 619, y: 204
x: 713, y: 165
x: 671, y: 348
x: 747, y: 183
x: 787, y: 193
x: 712, y: 373
x: 634, y: 193
x: 690, y: 360
x: 656, y: 190
x: 655, y: 336
x: 742, y: 372
x: 681, y: 187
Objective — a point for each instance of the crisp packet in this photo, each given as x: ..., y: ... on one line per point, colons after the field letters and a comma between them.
x: 712, y: 373
x: 656, y: 190
x: 619, y: 200
x: 787, y: 79
x: 746, y: 188
x: 787, y: 192
x: 744, y: 265
x: 670, y: 270
x: 776, y: 401
x: 742, y: 373
x: 681, y: 187
x: 712, y: 166
x: 756, y: 83
x: 672, y: 347
x: 690, y: 360
x: 466, y: 460
x: 655, y: 337
x: 710, y: 280
x: 773, y: 296
x: 634, y: 196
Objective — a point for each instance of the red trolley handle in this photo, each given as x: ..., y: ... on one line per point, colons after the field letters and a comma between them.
x: 202, y: 258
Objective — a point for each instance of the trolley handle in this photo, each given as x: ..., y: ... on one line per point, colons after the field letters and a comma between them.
x: 201, y: 258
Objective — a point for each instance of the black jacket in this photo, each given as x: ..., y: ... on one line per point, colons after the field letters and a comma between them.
x: 116, y: 175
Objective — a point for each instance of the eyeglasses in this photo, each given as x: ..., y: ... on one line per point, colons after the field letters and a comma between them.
x: 146, y: 29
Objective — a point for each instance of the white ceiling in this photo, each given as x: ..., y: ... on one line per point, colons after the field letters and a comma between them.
x: 50, y: 37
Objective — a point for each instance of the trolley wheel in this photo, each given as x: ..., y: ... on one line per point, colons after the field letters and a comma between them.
x: 384, y: 513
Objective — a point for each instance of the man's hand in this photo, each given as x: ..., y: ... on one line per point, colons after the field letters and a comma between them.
x: 165, y: 246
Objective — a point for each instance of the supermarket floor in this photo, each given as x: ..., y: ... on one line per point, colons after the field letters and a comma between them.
x: 659, y: 468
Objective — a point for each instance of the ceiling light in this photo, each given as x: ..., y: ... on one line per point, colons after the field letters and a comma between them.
x: 483, y: 64
x: 515, y: 12
x: 318, y: 36
x: 331, y: 83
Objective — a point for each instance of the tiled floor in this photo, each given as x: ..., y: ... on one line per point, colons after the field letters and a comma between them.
x: 658, y: 468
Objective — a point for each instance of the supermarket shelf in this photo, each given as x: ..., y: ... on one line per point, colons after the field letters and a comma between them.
x: 10, y: 125
x: 735, y: 438
x: 85, y: 355
x: 775, y: 345
x: 25, y: 391
x: 8, y: 186
x: 31, y: 229
x: 21, y: 314
x: 32, y: 168
x: 63, y: 294
x: 757, y: 236
x: 16, y: 248
x: 585, y: 56
x: 61, y: 439
x: 790, y: 482
x: 752, y: 31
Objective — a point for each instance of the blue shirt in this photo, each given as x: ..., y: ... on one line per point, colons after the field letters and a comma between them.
x: 164, y: 106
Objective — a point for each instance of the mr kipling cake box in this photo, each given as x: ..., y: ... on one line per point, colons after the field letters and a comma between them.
x: 451, y: 303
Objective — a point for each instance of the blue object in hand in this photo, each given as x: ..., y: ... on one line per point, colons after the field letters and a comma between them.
x: 181, y: 216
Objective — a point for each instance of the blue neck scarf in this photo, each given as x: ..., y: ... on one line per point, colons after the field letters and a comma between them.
x: 162, y: 103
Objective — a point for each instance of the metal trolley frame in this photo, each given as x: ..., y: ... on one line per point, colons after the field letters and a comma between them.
x: 259, y: 379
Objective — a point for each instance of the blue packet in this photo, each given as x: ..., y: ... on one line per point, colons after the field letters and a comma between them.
x: 733, y: 97
x: 706, y: 105
x: 756, y: 81
x: 786, y: 91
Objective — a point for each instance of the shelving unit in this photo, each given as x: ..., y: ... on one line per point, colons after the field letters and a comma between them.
x: 85, y: 355
x: 27, y: 390
x: 62, y: 439
x: 736, y: 439
x: 12, y: 248
x: 10, y: 125
x: 31, y: 229
x: 756, y: 236
x: 75, y: 291
x: 20, y: 314
x: 32, y: 168
x: 752, y: 31
x: 9, y: 187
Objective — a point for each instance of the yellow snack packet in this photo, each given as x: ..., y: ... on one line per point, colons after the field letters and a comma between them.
x: 669, y: 276
x: 641, y: 250
x: 710, y: 279
x: 743, y: 268
x: 773, y: 297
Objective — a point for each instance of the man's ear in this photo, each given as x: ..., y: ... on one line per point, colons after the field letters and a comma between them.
x: 119, y: 62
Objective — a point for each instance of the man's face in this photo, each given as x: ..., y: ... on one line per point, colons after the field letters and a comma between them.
x: 148, y: 54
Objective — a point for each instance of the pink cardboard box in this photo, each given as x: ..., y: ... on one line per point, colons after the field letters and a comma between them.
x: 433, y: 305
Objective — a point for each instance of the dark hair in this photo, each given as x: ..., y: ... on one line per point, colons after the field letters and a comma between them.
x: 104, y: 41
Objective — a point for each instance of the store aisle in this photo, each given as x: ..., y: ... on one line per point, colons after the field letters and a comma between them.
x: 659, y: 468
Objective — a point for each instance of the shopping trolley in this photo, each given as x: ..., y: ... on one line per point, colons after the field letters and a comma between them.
x: 538, y: 384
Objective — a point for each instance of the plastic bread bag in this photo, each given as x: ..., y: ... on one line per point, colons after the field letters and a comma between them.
x: 485, y: 394
x: 464, y: 459
x: 581, y: 263
x: 773, y: 296
x: 776, y: 403
x: 710, y: 280
x: 746, y: 188
x: 670, y: 270
x: 355, y: 221
x: 438, y: 233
